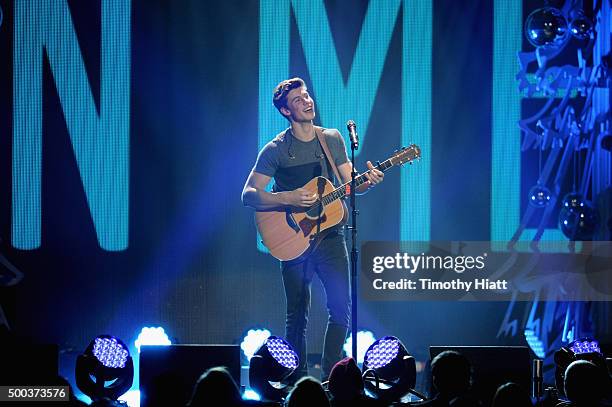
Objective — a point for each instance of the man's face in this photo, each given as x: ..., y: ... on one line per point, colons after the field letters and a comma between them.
x: 300, y: 106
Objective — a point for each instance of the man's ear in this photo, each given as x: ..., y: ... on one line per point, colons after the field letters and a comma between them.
x: 285, y: 112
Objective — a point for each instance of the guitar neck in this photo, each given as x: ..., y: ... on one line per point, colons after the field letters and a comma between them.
x: 344, y: 189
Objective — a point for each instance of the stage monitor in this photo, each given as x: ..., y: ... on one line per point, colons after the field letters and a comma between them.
x: 170, y: 372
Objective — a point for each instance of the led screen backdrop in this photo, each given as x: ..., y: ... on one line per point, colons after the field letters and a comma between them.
x: 127, y: 130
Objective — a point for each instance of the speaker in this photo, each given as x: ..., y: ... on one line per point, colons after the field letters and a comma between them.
x: 493, y: 366
x: 168, y: 373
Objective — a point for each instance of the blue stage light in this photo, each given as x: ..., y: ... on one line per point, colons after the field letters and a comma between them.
x: 152, y: 336
x: 534, y: 342
x: 388, y: 362
x: 253, y: 341
x: 105, y: 369
x: 110, y: 352
x: 382, y: 352
x: 364, y: 340
x: 584, y: 346
x: 274, y: 361
x: 282, y: 352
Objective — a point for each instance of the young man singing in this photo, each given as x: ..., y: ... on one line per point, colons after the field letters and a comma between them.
x: 293, y: 158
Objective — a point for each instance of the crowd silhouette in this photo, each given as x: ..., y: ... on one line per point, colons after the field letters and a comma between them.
x: 585, y: 384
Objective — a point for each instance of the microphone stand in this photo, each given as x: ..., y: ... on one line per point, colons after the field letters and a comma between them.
x: 354, y: 254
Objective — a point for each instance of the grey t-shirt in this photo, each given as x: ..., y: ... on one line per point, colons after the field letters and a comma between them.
x: 292, y: 163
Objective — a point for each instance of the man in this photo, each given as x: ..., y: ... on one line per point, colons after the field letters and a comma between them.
x: 452, y: 377
x: 293, y: 158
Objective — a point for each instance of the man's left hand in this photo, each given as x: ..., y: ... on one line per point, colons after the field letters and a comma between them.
x: 374, y: 176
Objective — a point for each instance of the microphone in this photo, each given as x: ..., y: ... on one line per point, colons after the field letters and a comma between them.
x: 354, y: 138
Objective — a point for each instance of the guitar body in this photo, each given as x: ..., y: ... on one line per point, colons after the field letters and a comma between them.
x: 290, y: 233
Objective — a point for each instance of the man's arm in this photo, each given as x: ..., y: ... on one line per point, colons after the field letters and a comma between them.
x: 254, y: 194
x: 374, y: 177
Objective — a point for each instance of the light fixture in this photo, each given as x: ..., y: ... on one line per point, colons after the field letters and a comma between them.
x: 535, y: 343
x: 364, y: 340
x: 105, y: 369
x: 152, y: 336
x: 253, y: 341
x: 273, y: 362
x: 584, y: 346
x: 389, y: 371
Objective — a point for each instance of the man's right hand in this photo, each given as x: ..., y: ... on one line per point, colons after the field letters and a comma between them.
x: 299, y: 197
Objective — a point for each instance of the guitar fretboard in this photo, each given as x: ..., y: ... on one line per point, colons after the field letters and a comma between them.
x: 344, y: 189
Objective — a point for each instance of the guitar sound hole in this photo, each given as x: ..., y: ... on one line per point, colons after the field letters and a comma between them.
x: 315, y: 211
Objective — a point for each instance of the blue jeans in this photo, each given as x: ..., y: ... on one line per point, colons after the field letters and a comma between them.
x: 330, y: 262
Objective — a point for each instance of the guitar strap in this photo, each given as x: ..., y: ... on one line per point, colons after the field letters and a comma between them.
x: 330, y: 158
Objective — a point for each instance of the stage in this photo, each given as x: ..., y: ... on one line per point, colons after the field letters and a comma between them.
x: 128, y: 130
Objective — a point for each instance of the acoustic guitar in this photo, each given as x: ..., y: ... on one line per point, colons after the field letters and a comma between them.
x: 291, y: 232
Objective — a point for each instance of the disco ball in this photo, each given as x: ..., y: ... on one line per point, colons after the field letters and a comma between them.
x: 546, y: 26
x: 581, y: 27
x: 573, y: 201
x: 539, y: 196
x: 578, y: 224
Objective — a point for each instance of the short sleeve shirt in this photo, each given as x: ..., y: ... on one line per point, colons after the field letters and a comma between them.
x: 292, y: 162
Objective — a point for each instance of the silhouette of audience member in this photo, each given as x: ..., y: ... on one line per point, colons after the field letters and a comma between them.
x: 451, y: 376
x: 307, y: 392
x: 346, y: 386
x: 585, y: 384
x: 511, y: 395
x: 215, y: 387
x: 345, y: 381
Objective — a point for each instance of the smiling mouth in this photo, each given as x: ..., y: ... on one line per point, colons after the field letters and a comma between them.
x: 308, y: 110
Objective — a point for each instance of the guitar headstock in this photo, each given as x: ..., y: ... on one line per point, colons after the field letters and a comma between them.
x: 406, y: 155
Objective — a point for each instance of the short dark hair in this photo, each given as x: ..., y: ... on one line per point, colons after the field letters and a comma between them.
x: 451, y: 373
x: 282, y: 90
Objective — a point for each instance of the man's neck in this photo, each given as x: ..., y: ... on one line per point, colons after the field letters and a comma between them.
x: 303, y: 131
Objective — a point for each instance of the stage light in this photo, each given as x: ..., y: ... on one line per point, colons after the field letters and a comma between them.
x: 273, y: 362
x: 106, y: 360
x: 251, y: 395
x: 253, y: 341
x: 152, y: 336
x: 131, y: 398
x: 388, y: 362
x: 580, y: 349
x: 584, y: 346
x: 364, y: 340
x: 534, y: 342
